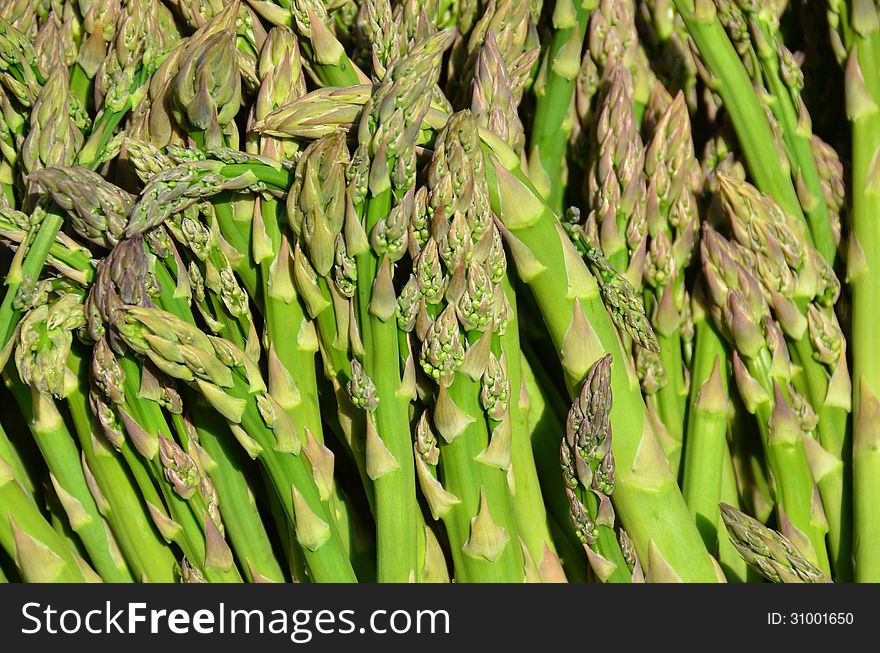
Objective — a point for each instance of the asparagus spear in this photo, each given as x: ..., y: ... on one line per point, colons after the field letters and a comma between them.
x: 588, y: 469
x: 665, y: 537
x: 494, y: 104
x: 53, y: 139
x: 767, y: 166
x: 546, y: 420
x: 554, y: 93
x: 41, y: 352
x: 225, y: 463
x: 704, y: 456
x: 768, y: 552
x: 125, y: 394
x: 862, y: 94
x: 780, y: 73
x: 762, y: 369
x: 802, y: 289
x: 327, y: 58
x: 40, y: 554
x: 68, y: 187
x: 671, y: 170
x: 617, y: 179
x: 157, y: 334
x: 122, y: 79
x: 462, y: 312
x: 735, y: 568
x: 613, y: 42
x: 382, y: 172
x: 115, y: 492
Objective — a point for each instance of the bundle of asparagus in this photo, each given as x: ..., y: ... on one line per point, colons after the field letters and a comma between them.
x: 398, y: 291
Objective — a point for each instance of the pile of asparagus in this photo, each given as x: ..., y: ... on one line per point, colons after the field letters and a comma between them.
x: 439, y: 290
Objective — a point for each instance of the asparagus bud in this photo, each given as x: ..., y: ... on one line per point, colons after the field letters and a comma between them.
x: 768, y: 552
x: 99, y: 209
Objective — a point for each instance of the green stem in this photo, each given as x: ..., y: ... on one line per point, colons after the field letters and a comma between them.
x: 62, y: 457
x: 746, y: 452
x: 706, y: 441
x: 735, y: 568
x: 741, y: 102
x: 671, y: 400
x: 244, y: 527
x: 325, y: 556
x: 80, y: 84
x: 148, y: 556
x: 150, y: 417
x: 10, y: 455
x: 787, y: 460
x: 30, y: 270
x: 464, y: 475
x: 342, y: 72
x: 552, y: 123
x: 828, y: 459
x: 285, y: 322
x: 106, y: 123
x: 277, y: 177
x: 797, y: 137
x: 528, y: 502
x: 239, y: 238
x: 40, y: 553
x: 863, y: 87
x: 546, y: 427
x: 646, y: 496
x: 398, y: 529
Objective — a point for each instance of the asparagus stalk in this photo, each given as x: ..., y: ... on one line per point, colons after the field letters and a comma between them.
x: 127, y: 394
x: 139, y: 47
x: 528, y: 498
x: 671, y: 170
x: 42, y: 348
x: 862, y: 96
x: 588, y: 469
x: 13, y: 458
x: 768, y: 552
x: 802, y: 290
x: 240, y: 397
x: 292, y: 376
x: 705, y: 460
x: 116, y: 492
x: 646, y: 496
x: 325, y: 276
x: 771, y: 174
x: 227, y: 466
x: 382, y: 172
x: 735, y: 568
x: 494, y: 105
x: 777, y: 70
x: 763, y: 372
x: 618, y: 217
x: 70, y: 483
x: 459, y: 318
x: 328, y: 60
x: 546, y: 420
x: 551, y: 125
x: 40, y: 554
x: 53, y: 139
x: 613, y: 42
